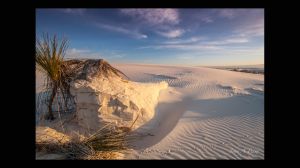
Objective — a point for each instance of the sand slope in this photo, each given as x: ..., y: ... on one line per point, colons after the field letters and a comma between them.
x: 205, y: 114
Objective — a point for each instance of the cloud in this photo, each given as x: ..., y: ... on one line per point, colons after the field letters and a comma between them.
x: 184, y: 57
x: 162, y: 21
x: 196, y: 41
x: 114, y: 54
x: 253, y: 24
x: 183, y: 47
x: 86, y: 53
x: 81, y: 53
x: 236, y: 40
x: 247, y: 51
x: 172, y: 33
x: 184, y: 41
x: 255, y: 28
x: 132, y: 33
x: 77, y: 51
x: 227, y: 13
x: 206, y: 19
x: 78, y: 11
x: 199, y: 43
x: 154, y: 16
x: 230, y: 40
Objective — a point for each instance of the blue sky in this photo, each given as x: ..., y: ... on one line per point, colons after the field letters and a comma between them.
x: 159, y: 36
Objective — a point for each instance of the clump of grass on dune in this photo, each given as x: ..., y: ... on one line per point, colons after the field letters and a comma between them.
x: 50, y: 52
x: 106, y: 143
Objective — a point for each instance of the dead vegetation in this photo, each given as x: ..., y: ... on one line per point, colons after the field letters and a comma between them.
x: 106, y: 143
x: 49, y: 58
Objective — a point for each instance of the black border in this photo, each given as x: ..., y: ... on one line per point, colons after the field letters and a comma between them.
x: 151, y: 4
x: 26, y: 63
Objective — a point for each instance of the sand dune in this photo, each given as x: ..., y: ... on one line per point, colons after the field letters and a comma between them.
x: 205, y: 114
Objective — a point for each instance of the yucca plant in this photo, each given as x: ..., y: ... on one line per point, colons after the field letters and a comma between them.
x: 50, y: 52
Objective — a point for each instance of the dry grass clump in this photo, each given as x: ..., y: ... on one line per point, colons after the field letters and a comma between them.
x: 107, y: 143
x: 49, y: 58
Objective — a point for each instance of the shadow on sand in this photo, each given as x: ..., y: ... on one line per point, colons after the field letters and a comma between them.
x: 168, y: 114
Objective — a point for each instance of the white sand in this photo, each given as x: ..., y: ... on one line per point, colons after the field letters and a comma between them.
x: 114, y: 100
x: 205, y: 114
x: 39, y: 83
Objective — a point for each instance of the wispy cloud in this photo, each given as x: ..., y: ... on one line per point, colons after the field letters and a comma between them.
x: 80, y: 53
x: 154, y: 16
x: 185, y: 57
x: 172, y: 33
x: 87, y: 53
x: 250, y: 53
x: 73, y: 51
x: 246, y: 51
x: 183, y: 47
x: 161, y: 21
x: 254, y: 25
x: 236, y: 40
x: 119, y: 29
x: 78, y: 11
x: 230, y: 40
x: 184, y: 41
x: 251, y: 29
x: 227, y: 13
x: 206, y: 19
x: 113, y: 54
x: 199, y: 43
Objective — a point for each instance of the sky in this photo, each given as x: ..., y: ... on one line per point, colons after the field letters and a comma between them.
x: 159, y: 36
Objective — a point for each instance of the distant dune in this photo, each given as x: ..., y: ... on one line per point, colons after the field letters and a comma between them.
x: 256, y: 69
x: 239, y: 66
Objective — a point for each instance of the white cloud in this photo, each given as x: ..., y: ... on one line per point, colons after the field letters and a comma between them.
x: 160, y: 20
x: 199, y: 43
x: 122, y: 30
x: 206, y: 19
x: 227, y: 13
x: 114, y: 54
x: 255, y: 28
x: 73, y: 51
x: 81, y: 53
x: 78, y: 11
x: 86, y: 53
x: 154, y: 16
x: 196, y: 42
x: 202, y: 40
x: 184, y: 41
x: 236, y: 40
x: 184, y: 57
x: 172, y: 33
x: 230, y: 40
x: 117, y: 56
x: 184, y: 47
x: 248, y: 51
x: 254, y: 25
